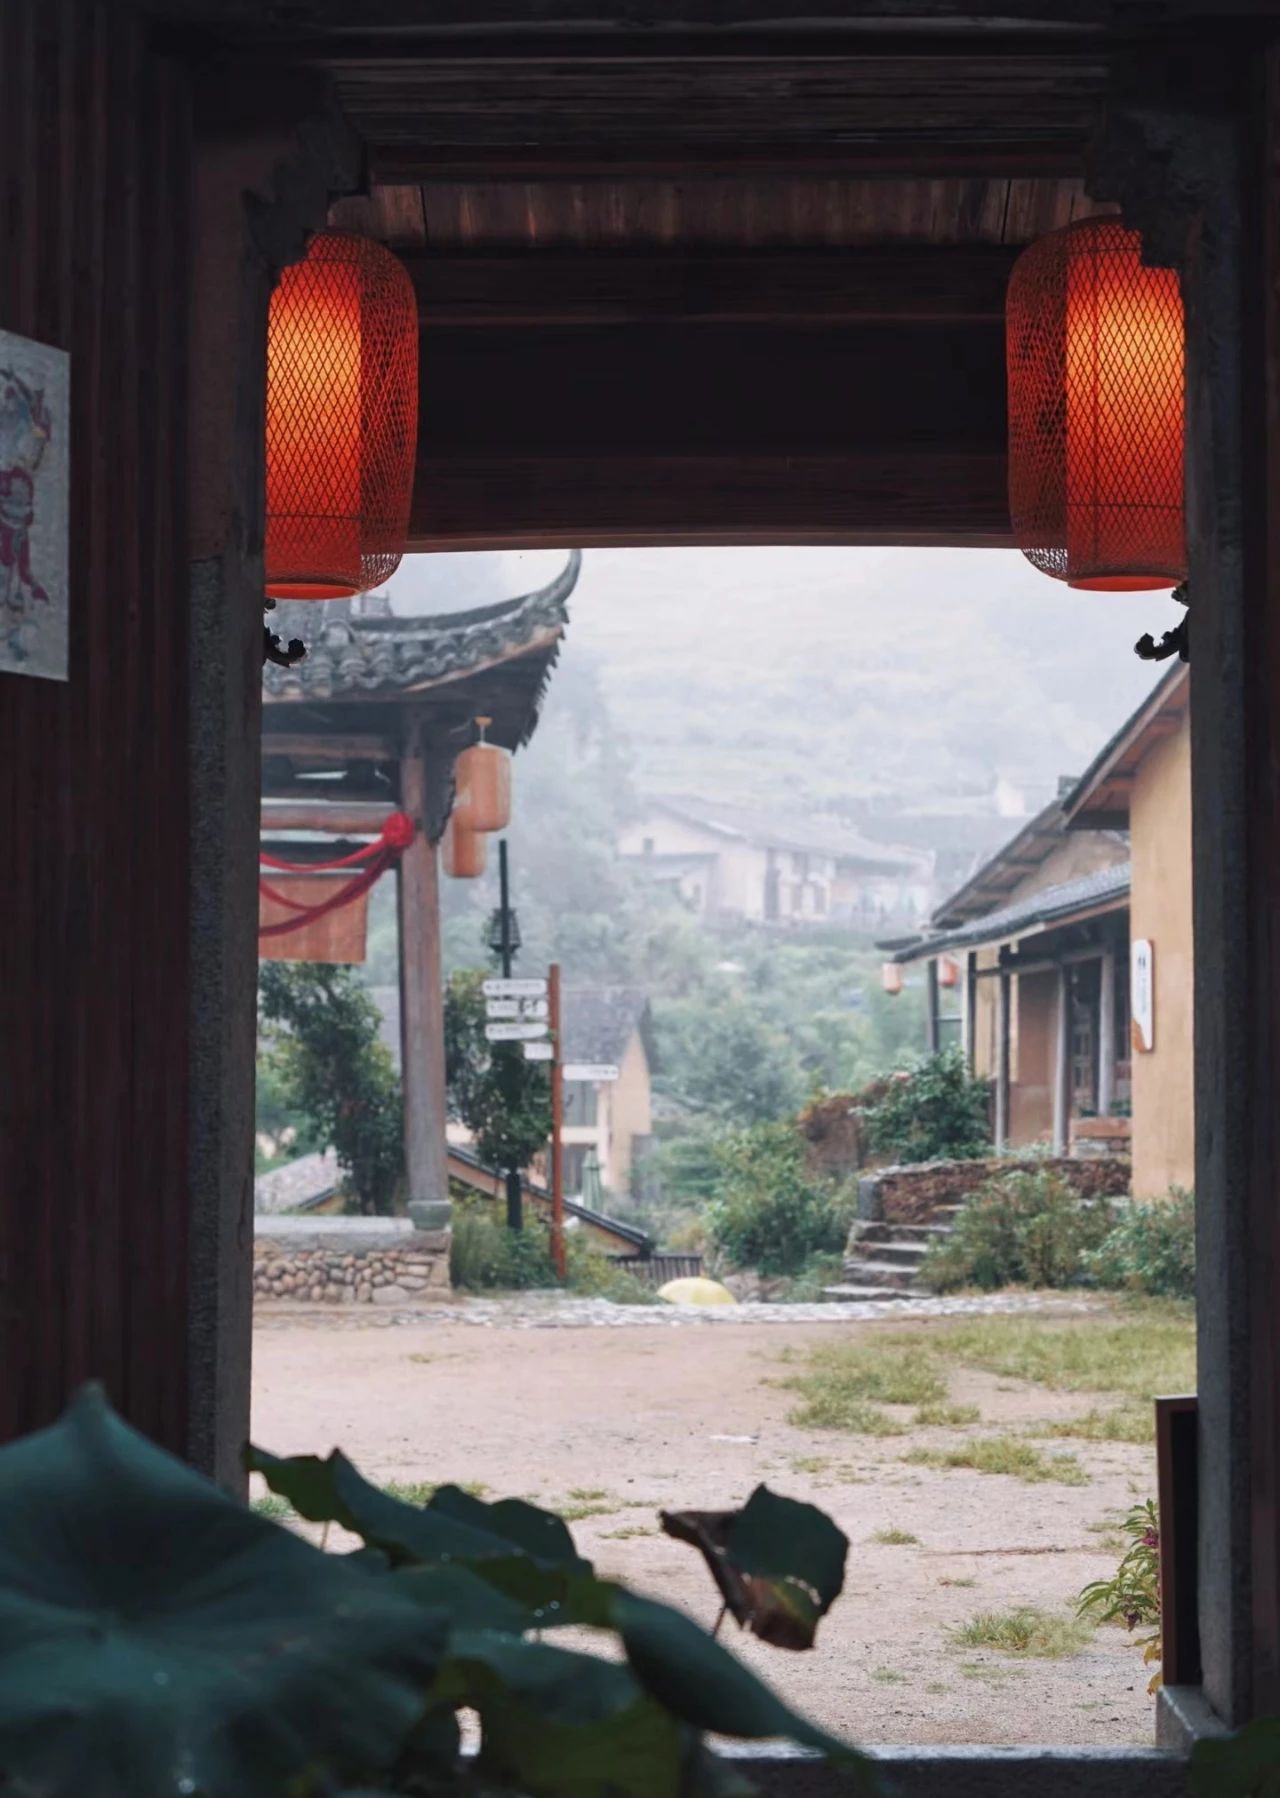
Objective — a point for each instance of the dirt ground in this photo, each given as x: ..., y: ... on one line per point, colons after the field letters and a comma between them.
x: 645, y: 1418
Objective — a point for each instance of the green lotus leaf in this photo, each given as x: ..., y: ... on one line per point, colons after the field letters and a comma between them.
x: 157, y: 1637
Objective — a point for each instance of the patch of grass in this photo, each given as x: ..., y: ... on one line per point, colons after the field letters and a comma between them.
x: 947, y: 1416
x: 1150, y: 1349
x: 272, y: 1505
x: 895, y: 1538
x: 1026, y: 1631
x: 1004, y: 1454
x: 585, y: 1501
x: 936, y: 1689
x: 989, y: 1670
x: 888, y: 1676
x: 890, y: 1372
x: 1130, y: 1423
x: 832, y: 1412
x: 957, y: 1582
x: 421, y: 1492
x: 810, y: 1464
x: 422, y: 1360
x: 629, y: 1530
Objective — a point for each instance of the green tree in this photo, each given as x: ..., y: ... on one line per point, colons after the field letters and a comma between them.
x: 933, y: 1111
x: 728, y: 1059
x: 773, y: 1214
x: 333, y: 1068
x: 503, y: 1099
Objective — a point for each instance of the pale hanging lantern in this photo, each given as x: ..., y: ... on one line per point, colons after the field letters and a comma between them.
x: 463, y: 851
x: 891, y: 977
x: 483, y: 781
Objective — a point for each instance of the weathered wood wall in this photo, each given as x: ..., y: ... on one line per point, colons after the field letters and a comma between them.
x: 93, y: 774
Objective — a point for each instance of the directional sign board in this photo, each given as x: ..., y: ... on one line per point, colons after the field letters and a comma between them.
x: 515, y: 1033
x: 598, y: 1072
x: 515, y: 989
x: 543, y: 1051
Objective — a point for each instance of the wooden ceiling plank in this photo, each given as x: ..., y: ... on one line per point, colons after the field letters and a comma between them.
x: 867, y: 284
x: 921, y: 498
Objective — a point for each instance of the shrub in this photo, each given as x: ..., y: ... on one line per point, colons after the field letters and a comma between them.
x: 485, y: 1256
x: 1152, y: 1248
x: 772, y: 1214
x: 1132, y: 1595
x: 1024, y: 1228
x: 934, y: 1111
x: 333, y: 1068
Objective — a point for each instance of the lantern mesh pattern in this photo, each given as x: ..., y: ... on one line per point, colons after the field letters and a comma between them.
x: 1095, y: 359
x: 342, y: 419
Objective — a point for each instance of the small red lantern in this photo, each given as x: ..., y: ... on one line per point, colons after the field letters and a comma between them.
x: 948, y: 971
x: 342, y: 419
x: 891, y: 977
x: 1094, y: 343
x: 464, y: 852
x: 483, y: 781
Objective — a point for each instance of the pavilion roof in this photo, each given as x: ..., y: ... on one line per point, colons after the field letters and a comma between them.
x: 363, y: 650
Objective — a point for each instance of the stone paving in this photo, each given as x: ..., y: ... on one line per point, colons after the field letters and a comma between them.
x: 563, y: 1311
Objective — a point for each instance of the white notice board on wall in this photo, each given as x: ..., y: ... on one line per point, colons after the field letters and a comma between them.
x: 1142, y: 995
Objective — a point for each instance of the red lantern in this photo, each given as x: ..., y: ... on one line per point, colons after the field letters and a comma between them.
x: 464, y: 852
x: 483, y: 781
x: 342, y: 419
x: 1094, y: 343
x: 891, y: 977
x: 948, y: 971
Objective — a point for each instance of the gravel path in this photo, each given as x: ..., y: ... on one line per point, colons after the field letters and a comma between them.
x: 606, y: 1413
x: 560, y: 1311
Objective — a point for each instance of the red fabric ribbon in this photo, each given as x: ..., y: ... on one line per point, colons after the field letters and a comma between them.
x: 393, y: 840
x: 396, y: 833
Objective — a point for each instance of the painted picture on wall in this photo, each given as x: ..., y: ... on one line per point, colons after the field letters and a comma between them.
x: 35, y: 482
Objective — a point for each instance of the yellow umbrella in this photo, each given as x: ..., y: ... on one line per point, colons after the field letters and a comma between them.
x: 696, y: 1292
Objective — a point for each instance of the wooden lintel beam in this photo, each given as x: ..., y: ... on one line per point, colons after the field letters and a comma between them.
x: 915, y: 498
x: 977, y: 158
x: 900, y: 283
x: 337, y: 819
x: 320, y: 748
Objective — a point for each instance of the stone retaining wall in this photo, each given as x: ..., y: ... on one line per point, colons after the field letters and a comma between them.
x: 360, y: 1264
x: 911, y: 1195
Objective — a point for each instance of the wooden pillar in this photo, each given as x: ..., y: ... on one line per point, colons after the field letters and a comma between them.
x: 1106, y: 1032
x: 970, y: 1012
x: 421, y: 991
x: 1062, y: 1066
x: 933, y: 1021
x: 1004, y: 1032
x: 1192, y: 150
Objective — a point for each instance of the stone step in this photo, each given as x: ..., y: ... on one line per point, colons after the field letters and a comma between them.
x: 879, y: 1273
x: 899, y: 1232
x: 849, y: 1294
x: 906, y: 1254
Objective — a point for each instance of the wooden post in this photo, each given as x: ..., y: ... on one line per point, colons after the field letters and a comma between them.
x: 557, y: 1123
x: 1062, y: 1066
x: 1107, y: 1033
x: 970, y: 1025
x: 933, y: 1026
x: 421, y: 992
x: 1003, y: 1033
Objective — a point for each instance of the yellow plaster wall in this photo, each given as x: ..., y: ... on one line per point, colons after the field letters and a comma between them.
x: 631, y: 1114
x: 1160, y: 911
